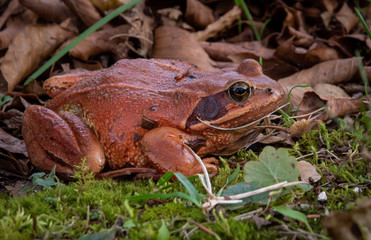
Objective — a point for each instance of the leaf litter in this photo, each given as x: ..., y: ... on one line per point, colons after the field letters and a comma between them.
x: 301, y: 43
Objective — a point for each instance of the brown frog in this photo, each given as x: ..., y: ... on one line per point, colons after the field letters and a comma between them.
x: 146, y: 113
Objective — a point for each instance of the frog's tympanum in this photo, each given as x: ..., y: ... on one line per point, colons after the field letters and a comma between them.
x: 146, y: 114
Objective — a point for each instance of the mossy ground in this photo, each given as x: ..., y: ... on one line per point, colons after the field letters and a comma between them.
x: 87, y: 206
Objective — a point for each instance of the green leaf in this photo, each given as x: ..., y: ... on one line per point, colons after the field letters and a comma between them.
x: 231, y: 178
x: 193, y: 193
x: 274, y: 166
x: 293, y: 214
x: 164, y: 179
x: 46, y: 183
x: 5, y: 99
x: 243, y: 187
x: 163, y: 232
x: 129, y: 224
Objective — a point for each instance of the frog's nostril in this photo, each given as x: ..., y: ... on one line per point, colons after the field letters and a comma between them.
x: 269, y: 91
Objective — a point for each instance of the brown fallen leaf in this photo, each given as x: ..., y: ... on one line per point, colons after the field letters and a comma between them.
x: 320, y: 54
x: 328, y: 91
x: 300, y: 39
x: 12, y: 6
x: 28, y: 49
x: 287, y: 52
x: 219, y: 25
x: 101, y: 42
x: 198, y: 15
x: 335, y: 71
x: 221, y: 51
x: 333, y: 107
x: 141, y: 30
x: 308, y: 172
x: 12, y: 144
x: 175, y: 43
x: 50, y: 10
x: 347, y: 17
x: 14, y: 25
x: 85, y: 10
x: 10, y: 165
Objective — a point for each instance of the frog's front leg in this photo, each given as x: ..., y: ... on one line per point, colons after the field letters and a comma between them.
x: 60, y: 140
x: 166, y: 151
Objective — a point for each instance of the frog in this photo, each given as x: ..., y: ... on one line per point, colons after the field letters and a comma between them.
x: 159, y: 114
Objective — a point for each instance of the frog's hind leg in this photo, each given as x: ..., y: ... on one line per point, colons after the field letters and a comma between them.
x: 60, y: 140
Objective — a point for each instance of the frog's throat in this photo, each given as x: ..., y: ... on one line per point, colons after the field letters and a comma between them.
x: 244, y: 126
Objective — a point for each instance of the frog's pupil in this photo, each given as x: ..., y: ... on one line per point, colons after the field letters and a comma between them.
x: 239, y: 91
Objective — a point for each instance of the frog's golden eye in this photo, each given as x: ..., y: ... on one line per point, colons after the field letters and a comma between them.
x: 239, y: 91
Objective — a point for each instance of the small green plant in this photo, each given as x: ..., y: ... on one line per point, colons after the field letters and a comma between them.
x: 38, y: 179
x: 82, y: 172
x: 4, y: 99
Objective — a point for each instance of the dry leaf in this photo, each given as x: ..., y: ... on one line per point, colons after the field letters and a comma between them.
x: 198, y: 15
x: 347, y: 18
x: 219, y: 25
x: 29, y: 48
x: 50, y: 10
x: 301, y: 127
x: 175, y: 43
x: 12, y: 6
x: 12, y: 144
x: 308, y: 172
x: 14, y: 25
x: 334, y: 107
x: 85, y: 10
x: 329, y: 91
x: 101, y: 42
x: 335, y: 71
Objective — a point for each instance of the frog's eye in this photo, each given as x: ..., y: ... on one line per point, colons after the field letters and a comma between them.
x: 239, y: 91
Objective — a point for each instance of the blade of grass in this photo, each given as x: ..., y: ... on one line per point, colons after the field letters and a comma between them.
x: 358, y: 13
x: 249, y: 17
x: 362, y: 71
x: 193, y: 193
x: 82, y: 36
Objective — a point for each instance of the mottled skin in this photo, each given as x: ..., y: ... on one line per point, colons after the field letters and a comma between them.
x: 140, y: 113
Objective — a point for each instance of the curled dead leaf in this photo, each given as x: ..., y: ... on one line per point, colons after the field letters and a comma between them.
x: 333, y: 107
x: 175, y: 43
x: 308, y: 172
x: 28, y: 49
x: 101, y: 42
x: 85, y: 10
x: 347, y: 17
x: 334, y: 71
x: 50, y: 10
x: 198, y: 15
x: 219, y: 25
x: 301, y: 127
x: 12, y: 144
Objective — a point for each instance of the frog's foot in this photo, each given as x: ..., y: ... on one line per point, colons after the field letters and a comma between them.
x: 60, y: 140
x: 166, y: 151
